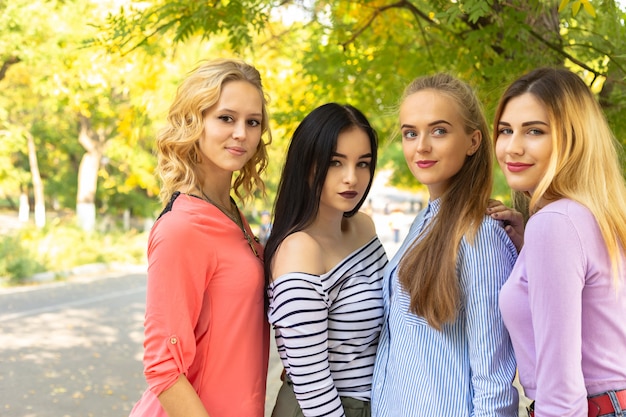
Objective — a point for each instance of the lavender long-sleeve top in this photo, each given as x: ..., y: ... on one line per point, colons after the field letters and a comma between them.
x: 566, y: 318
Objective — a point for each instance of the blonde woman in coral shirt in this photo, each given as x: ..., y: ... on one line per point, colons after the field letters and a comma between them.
x: 206, y: 335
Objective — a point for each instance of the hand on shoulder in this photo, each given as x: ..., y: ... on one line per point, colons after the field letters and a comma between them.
x: 512, y: 219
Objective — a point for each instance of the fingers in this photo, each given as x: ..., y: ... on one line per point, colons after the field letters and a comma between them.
x: 512, y: 219
x: 496, y: 206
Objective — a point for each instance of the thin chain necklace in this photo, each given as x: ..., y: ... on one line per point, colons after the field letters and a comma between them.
x: 235, y: 218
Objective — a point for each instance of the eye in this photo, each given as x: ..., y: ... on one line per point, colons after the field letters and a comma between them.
x: 409, y: 134
x: 439, y: 131
x: 505, y: 131
x: 226, y: 118
x: 535, y: 132
x: 334, y: 163
x: 363, y: 164
x: 254, y: 123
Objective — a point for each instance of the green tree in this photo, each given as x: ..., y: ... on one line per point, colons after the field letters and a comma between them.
x: 365, y: 52
x: 75, y: 103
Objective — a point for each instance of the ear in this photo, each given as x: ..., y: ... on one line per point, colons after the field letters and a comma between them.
x: 476, y: 138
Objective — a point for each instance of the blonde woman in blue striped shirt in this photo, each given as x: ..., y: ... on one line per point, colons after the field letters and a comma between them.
x: 443, y: 349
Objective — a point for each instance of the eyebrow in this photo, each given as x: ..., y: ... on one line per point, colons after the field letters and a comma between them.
x: 340, y: 155
x: 236, y: 112
x: 533, y: 122
x: 436, y: 122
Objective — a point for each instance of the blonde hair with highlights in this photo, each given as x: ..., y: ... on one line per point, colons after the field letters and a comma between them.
x: 584, y: 165
x: 434, y: 287
x: 177, y: 144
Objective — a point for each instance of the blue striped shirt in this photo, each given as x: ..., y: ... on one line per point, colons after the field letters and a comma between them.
x: 327, y: 329
x: 467, y: 368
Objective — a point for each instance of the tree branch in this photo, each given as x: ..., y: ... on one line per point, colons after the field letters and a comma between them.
x: 402, y: 4
x: 6, y: 64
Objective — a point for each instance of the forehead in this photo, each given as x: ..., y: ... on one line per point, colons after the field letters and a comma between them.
x: 429, y: 105
x: 240, y: 96
x: 353, y: 141
x: 524, y: 107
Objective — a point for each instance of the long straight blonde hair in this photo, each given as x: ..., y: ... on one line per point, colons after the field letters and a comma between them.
x: 585, y: 163
x: 428, y: 269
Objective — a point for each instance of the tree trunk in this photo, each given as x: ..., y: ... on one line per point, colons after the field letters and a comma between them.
x: 24, y: 210
x: 87, y: 177
x: 40, y: 204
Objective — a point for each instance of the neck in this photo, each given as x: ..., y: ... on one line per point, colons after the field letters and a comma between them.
x: 328, y: 223
x: 219, y: 196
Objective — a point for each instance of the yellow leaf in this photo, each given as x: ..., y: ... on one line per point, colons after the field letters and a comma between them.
x: 589, y: 8
x: 563, y: 5
x: 575, y: 8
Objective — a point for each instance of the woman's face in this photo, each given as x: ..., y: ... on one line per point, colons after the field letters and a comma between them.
x: 524, y: 142
x: 434, y: 139
x: 349, y: 171
x: 232, y: 128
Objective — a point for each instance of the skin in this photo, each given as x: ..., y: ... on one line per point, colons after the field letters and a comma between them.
x: 513, y: 220
x: 331, y: 237
x: 232, y: 131
x: 524, y: 142
x: 434, y: 140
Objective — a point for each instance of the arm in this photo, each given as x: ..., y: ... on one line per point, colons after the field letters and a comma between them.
x: 299, y: 312
x: 181, y: 400
x: 513, y: 221
x: 485, y: 265
x: 175, y: 288
x: 556, y: 274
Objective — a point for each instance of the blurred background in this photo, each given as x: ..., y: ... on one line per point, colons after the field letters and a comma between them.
x: 85, y: 84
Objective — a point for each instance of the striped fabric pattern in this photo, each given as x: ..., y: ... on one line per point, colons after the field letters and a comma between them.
x: 467, y: 368
x: 327, y: 329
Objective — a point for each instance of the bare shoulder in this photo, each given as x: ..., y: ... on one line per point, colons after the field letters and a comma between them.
x: 298, y: 252
x: 363, y: 225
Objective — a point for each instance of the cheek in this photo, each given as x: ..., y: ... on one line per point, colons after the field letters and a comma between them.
x: 500, y: 150
x: 408, y: 149
x: 364, y: 176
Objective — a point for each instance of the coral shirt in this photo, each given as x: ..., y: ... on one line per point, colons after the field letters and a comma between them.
x: 205, y: 313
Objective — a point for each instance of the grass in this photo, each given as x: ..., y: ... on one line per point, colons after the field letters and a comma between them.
x: 61, y: 246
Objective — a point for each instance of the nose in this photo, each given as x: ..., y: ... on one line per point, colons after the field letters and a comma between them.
x: 349, y: 176
x: 515, y: 145
x: 422, y: 144
x: 239, y: 130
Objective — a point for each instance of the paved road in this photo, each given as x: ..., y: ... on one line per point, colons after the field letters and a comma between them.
x: 74, y: 349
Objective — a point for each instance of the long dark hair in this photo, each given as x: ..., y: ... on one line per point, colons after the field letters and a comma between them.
x: 306, y: 166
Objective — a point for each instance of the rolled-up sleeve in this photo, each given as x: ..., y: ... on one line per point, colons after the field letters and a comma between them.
x: 178, y: 271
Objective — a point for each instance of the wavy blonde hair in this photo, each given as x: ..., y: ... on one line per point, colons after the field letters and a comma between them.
x: 434, y: 287
x: 585, y: 162
x: 177, y: 144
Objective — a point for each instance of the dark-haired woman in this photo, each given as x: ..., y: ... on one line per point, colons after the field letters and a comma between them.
x: 324, y: 266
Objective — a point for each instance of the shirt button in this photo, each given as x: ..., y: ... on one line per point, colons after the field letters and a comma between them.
x: 173, y: 340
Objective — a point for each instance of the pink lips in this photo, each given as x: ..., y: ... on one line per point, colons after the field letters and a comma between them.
x: 349, y: 194
x: 425, y: 164
x: 517, y: 166
x: 236, y: 150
